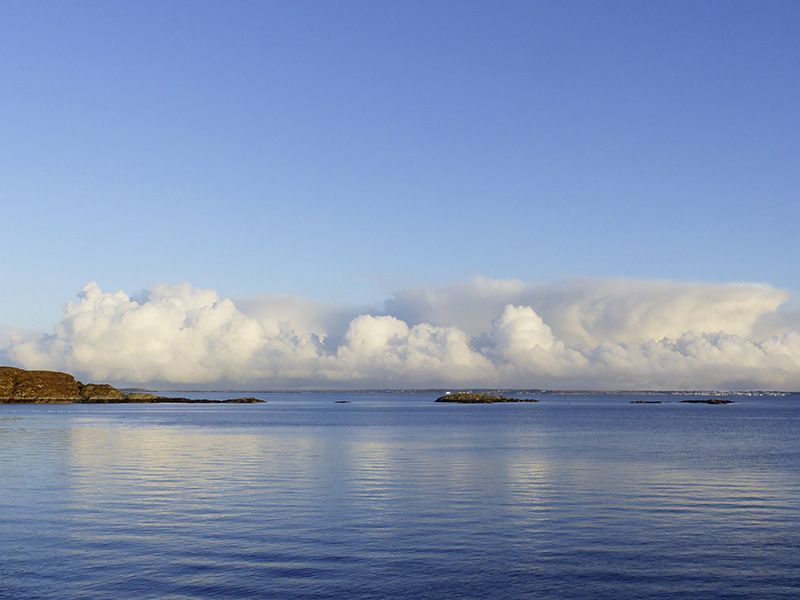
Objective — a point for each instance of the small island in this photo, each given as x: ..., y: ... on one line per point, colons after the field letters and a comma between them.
x: 18, y: 386
x: 479, y: 398
x: 708, y: 401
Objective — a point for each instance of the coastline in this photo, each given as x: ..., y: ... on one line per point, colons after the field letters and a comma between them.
x: 20, y: 386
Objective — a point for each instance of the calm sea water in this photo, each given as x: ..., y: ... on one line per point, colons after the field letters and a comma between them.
x: 395, y: 496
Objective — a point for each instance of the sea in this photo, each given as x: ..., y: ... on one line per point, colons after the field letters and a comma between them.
x: 392, y: 495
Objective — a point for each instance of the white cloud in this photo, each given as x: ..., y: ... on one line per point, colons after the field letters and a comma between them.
x: 386, y: 351
x: 525, y: 347
x: 598, y: 334
x: 593, y: 311
x: 301, y: 314
x: 519, y: 329
x: 177, y: 334
x: 7, y: 334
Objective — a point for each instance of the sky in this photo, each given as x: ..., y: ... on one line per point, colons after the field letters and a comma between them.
x: 313, y: 163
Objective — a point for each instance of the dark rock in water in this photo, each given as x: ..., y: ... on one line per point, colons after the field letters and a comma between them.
x: 341, y: 401
x: 646, y: 402
x: 246, y: 400
x: 18, y: 386
x: 479, y: 398
x: 154, y: 399
x: 708, y: 401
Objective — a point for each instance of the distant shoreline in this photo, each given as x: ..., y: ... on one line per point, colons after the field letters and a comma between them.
x: 556, y: 392
x: 19, y: 386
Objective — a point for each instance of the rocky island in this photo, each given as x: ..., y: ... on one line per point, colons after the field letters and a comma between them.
x: 18, y: 386
x: 708, y: 401
x: 479, y: 398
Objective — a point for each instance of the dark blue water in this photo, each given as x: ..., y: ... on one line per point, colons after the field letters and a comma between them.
x: 395, y: 496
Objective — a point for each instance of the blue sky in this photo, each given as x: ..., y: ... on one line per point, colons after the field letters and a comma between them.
x: 342, y: 150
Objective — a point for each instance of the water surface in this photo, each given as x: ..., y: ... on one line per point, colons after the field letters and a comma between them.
x: 393, y: 495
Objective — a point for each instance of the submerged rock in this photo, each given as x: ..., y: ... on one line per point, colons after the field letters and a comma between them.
x: 245, y: 400
x: 479, y: 398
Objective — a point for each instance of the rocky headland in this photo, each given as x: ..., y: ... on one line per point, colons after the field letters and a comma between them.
x: 479, y: 398
x: 18, y: 386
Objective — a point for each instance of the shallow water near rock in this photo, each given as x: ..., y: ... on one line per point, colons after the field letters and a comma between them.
x: 394, y: 495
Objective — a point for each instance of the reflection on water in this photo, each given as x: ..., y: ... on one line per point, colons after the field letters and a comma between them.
x: 393, y: 496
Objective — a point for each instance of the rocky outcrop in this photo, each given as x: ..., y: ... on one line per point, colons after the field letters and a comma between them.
x: 479, y: 398
x: 8, y: 377
x: 141, y: 397
x: 97, y: 392
x: 154, y: 399
x: 709, y: 401
x: 18, y: 386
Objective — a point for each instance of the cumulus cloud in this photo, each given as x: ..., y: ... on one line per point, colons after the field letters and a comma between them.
x: 7, y: 334
x: 593, y: 311
x: 589, y: 334
x: 176, y: 334
x: 301, y: 314
x: 386, y: 349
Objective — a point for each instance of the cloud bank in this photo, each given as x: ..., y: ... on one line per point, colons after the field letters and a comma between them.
x: 604, y: 334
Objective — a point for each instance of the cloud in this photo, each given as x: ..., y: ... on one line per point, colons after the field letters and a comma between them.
x: 386, y: 351
x: 301, y: 314
x: 7, y: 334
x: 588, y: 334
x: 592, y: 311
x: 176, y: 334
